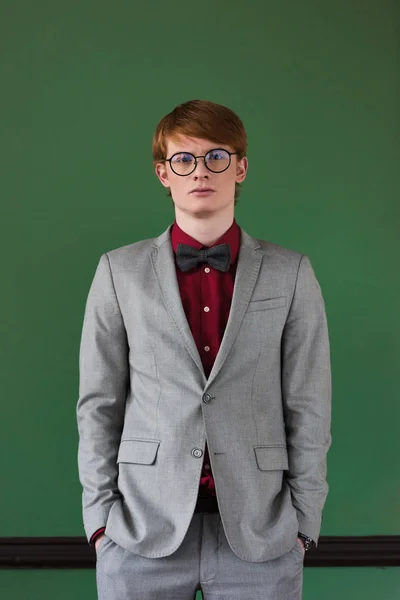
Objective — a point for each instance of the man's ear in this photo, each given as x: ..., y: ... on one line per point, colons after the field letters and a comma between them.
x: 162, y: 174
x: 241, y: 169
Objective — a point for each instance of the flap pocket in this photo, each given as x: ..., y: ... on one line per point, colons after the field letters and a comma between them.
x: 270, y: 458
x: 138, y: 451
x: 267, y: 303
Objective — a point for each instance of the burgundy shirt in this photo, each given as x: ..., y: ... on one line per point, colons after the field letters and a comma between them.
x: 204, y: 287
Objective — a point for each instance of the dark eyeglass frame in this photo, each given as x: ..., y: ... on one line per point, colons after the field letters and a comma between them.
x: 195, y: 161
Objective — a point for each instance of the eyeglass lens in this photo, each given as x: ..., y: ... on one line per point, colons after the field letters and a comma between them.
x: 183, y: 163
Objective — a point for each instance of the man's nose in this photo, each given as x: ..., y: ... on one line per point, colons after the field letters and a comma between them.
x: 201, y: 168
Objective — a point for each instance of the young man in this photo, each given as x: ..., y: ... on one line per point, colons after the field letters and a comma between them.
x: 205, y: 391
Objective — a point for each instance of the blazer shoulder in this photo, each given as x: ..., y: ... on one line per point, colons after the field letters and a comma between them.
x: 280, y: 252
x: 121, y: 258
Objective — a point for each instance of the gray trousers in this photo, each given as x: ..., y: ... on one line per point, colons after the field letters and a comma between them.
x: 204, y: 561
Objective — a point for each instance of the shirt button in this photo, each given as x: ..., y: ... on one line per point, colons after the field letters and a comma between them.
x: 206, y: 309
x: 207, y: 270
x: 207, y: 467
x: 206, y: 348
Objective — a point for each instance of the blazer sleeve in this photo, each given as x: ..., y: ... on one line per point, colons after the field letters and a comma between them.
x: 103, y: 383
x: 306, y: 395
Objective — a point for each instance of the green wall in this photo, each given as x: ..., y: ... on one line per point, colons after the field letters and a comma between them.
x: 83, y: 85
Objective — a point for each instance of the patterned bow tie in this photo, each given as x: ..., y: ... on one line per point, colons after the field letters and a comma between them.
x: 218, y: 257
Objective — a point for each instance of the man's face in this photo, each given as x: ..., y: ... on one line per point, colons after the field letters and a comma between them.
x: 222, y: 185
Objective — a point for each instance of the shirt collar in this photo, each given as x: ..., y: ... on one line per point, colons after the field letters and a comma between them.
x: 231, y: 237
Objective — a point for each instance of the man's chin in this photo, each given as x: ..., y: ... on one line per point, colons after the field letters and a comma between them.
x: 200, y: 206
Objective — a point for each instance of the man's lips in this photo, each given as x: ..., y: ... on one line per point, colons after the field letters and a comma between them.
x: 202, y: 190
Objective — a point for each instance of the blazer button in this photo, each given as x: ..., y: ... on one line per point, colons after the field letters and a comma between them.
x: 207, y: 397
x: 197, y: 452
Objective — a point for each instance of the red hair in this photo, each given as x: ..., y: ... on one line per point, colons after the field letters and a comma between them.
x: 202, y: 119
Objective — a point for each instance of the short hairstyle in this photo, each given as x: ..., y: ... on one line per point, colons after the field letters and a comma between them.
x: 203, y: 119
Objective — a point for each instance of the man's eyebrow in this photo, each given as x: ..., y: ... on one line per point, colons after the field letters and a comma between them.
x: 194, y: 154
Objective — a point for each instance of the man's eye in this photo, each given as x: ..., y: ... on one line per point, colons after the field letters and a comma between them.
x: 217, y: 155
x: 182, y: 158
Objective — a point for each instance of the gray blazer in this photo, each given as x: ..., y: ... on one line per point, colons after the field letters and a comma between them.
x: 146, y: 408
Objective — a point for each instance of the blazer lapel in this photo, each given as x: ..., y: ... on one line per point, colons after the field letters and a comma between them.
x: 248, y: 266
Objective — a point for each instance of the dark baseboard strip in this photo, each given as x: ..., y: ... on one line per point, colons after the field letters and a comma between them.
x: 75, y: 552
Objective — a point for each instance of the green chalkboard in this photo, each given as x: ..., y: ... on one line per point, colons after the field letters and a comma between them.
x: 83, y: 86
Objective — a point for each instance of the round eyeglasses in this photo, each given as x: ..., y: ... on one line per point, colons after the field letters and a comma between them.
x: 184, y: 163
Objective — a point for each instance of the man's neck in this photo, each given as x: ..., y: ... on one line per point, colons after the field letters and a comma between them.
x: 206, y: 231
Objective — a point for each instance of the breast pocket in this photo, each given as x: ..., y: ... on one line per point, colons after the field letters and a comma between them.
x: 266, y: 304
